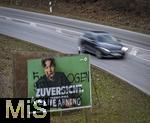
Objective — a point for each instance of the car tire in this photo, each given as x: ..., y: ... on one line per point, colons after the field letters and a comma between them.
x: 123, y: 57
x: 98, y: 54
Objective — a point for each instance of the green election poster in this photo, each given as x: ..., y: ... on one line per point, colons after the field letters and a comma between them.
x: 65, y: 81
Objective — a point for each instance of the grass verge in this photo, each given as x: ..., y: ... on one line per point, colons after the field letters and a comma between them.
x: 114, y: 100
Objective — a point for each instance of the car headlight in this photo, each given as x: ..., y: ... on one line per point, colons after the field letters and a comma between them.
x: 105, y: 49
x: 124, y: 49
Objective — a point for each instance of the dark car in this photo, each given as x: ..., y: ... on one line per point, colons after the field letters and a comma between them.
x: 102, y: 44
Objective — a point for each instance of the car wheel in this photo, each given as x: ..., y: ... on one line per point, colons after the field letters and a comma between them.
x: 123, y: 57
x: 99, y: 54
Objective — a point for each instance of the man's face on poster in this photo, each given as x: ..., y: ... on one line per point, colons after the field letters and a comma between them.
x: 49, y: 69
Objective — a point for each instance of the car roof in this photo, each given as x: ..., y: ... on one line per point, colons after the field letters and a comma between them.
x: 97, y: 33
x: 101, y: 32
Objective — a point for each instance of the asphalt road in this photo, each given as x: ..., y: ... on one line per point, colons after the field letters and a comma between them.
x: 135, y: 69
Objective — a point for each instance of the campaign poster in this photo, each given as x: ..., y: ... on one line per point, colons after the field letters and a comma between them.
x: 65, y: 81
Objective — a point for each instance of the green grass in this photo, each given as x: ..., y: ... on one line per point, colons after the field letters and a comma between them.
x: 114, y: 101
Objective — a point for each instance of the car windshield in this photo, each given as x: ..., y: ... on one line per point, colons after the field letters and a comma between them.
x: 106, y: 39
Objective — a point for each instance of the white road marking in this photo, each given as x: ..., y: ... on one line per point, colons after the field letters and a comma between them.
x: 33, y: 24
x: 134, y: 51
x: 137, y: 47
x: 8, y: 18
x: 5, y: 17
x: 58, y: 30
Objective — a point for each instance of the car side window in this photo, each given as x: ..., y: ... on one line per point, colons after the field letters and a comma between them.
x: 100, y: 38
x: 92, y: 38
x: 89, y: 36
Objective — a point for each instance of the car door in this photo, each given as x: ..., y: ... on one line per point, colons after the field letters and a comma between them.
x: 92, y: 43
x: 87, y: 42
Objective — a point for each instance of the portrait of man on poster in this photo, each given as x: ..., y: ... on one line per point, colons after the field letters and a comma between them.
x: 51, y: 78
x: 57, y: 82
